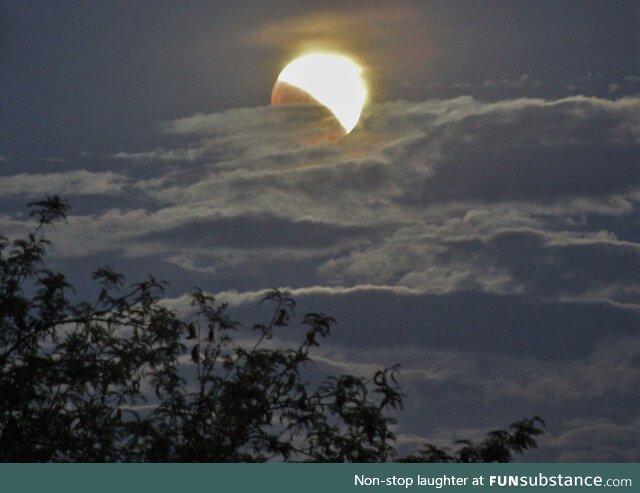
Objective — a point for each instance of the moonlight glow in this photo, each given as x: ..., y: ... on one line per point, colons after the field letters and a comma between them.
x: 334, y: 81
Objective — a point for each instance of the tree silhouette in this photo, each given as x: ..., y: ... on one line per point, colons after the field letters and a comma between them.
x: 108, y: 380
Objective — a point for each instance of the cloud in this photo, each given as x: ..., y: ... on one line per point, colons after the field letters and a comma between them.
x: 432, y: 152
x: 491, y: 248
x: 508, y: 254
x: 521, y: 82
x: 259, y: 231
x: 510, y: 196
x: 236, y: 298
x: 531, y: 150
x: 77, y: 182
x: 446, y: 390
x: 161, y: 154
x: 513, y: 326
x: 598, y: 440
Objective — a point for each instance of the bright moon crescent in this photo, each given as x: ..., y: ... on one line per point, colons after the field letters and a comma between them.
x: 334, y: 81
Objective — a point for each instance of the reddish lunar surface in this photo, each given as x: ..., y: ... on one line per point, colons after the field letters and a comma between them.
x: 284, y: 93
x: 327, y: 128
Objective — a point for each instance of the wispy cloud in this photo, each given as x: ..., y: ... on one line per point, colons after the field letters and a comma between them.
x: 434, y: 197
x: 76, y: 182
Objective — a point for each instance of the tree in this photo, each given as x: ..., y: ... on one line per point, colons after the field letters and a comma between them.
x: 498, y: 445
x: 104, y: 381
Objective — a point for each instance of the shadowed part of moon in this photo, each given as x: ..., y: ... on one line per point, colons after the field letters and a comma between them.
x: 328, y: 128
x: 284, y: 93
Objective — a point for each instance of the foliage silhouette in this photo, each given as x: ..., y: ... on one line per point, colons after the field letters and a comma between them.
x: 108, y: 380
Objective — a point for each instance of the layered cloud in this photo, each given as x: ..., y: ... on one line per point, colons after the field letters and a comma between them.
x: 457, y: 237
x: 521, y: 196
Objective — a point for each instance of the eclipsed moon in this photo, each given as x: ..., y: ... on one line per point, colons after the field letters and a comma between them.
x: 333, y: 81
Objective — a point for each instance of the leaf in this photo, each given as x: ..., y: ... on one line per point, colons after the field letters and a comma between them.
x: 283, y: 318
x: 191, y: 329
x: 195, y: 353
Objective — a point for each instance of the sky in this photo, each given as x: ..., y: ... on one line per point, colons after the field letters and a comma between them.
x: 480, y: 226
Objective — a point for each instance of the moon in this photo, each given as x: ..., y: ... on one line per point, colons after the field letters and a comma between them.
x: 330, y: 80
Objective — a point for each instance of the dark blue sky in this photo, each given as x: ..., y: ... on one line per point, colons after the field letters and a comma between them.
x: 480, y: 226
